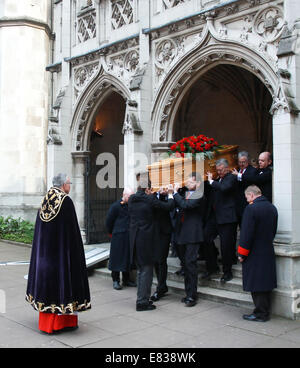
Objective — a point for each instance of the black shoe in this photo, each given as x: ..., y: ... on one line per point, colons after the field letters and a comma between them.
x: 190, y: 302
x: 116, y: 285
x: 226, y: 277
x: 180, y: 272
x: 145, y: 307
x: 129, y: 283
x: 254, y: 318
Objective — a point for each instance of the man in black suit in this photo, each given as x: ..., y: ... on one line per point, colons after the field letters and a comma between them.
x: 164, y: 233
x: 244, y: 178
x: 143, y: 236
x: 223, y: 206
x: 256, y: 252
x: 262, y: 177
x: 190, y: 233
x: 117, y: 224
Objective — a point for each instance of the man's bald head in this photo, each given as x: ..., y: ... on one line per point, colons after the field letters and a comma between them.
x: 264, y: 160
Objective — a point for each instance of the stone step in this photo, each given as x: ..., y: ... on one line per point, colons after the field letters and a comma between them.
x: 174, y: 265
x: 216, y: 295
x: 229, y: 293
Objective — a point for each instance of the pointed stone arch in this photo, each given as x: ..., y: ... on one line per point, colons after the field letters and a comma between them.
x: 210, y: 53
x: 87, y: 105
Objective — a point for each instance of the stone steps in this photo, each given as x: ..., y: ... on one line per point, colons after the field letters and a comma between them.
x: 229, y: 293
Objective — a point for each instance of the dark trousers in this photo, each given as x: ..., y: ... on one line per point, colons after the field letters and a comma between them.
x: 116, y: 276
x: 190, y: 252
x: 227, y: 233
x: 262, y: 302
x: 161, y: 266
x: 144, y: 282
x: 209, y: 249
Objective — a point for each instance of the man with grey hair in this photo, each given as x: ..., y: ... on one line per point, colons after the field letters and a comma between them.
x: 256, y: 252
x: 224, y: 214
x: 58, y: 286
x: 244, y: 177
x: 63, y: 182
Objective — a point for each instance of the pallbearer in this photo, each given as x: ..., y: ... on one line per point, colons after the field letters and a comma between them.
x: 256, y: 252
x: 57, y: 282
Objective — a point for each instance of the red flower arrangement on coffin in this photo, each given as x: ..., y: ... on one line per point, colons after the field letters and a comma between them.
x: 193, y: 145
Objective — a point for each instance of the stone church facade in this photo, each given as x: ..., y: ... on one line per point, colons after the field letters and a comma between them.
x: 129, y: 77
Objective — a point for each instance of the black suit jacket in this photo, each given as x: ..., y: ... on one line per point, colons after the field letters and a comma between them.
x: 191, y: 225
x: 163, y: 218
x: 143, y: 229
x: 263, y: 179
x: 224, y: 199
x: 247, y: 179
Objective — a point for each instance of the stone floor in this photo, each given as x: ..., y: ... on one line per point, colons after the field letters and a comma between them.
x: 113, y: 322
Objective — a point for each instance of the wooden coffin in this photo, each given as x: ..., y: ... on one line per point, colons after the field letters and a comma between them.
x: 178, y: 170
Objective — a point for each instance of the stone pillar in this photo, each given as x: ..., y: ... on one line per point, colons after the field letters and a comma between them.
x: 79, y: 189
x: 23, y: 105
x: 286, y: 137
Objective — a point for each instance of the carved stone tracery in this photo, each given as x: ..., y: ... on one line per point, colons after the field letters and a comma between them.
x: 268, y: 23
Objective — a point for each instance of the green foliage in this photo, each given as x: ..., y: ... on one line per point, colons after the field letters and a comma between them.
x: 16, y: 230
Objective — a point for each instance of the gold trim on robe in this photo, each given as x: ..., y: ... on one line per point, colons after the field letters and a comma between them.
x: 51, y: 204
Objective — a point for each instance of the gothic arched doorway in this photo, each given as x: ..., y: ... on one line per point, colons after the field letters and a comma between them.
x: 229, y: 104
x: 105, y: 141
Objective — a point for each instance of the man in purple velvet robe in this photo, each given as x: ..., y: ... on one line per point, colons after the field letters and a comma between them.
x: 57, y: 281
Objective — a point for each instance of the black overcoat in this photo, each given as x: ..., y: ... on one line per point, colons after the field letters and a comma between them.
x: 143, y: 229
x: 191, y: 219
x: 57, y: 279
x: 258, y: 230
x: 117, y: 224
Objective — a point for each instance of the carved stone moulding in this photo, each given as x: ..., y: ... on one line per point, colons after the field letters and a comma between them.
x: 206, y: 61
x: 269, y: 22
x: 86, y: 112
x: 109, y: 49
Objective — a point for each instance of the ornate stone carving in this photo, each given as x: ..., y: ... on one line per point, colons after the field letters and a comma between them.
x: 269, y: 23
x: 123, y: 65
x: 86, y: 112
x: 167, y: 4
x: 54, y: 135
x: 82, y: 76
x: 166, y: 51
x: 86, y: 26
x: 131, y: 124
x: 121, y: 13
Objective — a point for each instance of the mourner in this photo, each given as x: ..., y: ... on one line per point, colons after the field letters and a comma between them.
x: 57, y: 281
x: 164, y: 231
x: 190, y: 233
x: 244, y: 178
x: 256, y: 252
x: 263, y: 175
x: 210, y: 233
x: 117, y: 224
x: 143, y: 237
x: 224, y: 211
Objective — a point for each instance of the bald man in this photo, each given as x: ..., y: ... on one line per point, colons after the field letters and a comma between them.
x: 263, y: 175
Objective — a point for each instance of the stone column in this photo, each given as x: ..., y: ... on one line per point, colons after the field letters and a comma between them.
x: 23, y: 105
x: 286, y: 137
x: 79, y: 189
